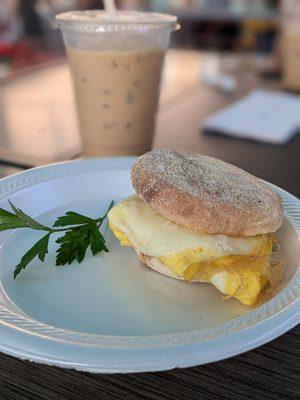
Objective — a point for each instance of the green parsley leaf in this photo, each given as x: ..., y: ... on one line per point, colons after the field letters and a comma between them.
x: 97, y: 240
x: 107, y: 211
x: 72, y: 218
x: 39, y: 249
x: 73, y: 245
x: 30, y: 222
x: 10, y: 221
x: 80, y: 232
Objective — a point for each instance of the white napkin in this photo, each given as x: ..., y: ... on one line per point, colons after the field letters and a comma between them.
x: 266, y: 116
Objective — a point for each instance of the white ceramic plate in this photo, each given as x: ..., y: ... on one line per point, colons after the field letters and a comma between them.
x: 110, y: 313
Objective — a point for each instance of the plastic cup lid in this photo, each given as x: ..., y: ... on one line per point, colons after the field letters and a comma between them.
x: 101, y: 21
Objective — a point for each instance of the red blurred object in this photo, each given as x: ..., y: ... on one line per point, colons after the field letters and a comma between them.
x: 24, y: 53
x: 7, y: 50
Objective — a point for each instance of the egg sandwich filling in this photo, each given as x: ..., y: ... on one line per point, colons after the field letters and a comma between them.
x: 239, y: 267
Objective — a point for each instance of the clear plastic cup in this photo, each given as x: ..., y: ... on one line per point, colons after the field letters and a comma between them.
x: 290, y: 45
x: 116, y: 64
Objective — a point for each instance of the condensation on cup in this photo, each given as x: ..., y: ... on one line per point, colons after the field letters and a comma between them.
x: 116, y: 63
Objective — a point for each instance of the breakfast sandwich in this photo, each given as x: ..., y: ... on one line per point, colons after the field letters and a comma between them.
x: 200, y: 219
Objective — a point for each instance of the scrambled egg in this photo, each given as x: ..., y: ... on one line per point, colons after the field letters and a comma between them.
x: 238, y: 267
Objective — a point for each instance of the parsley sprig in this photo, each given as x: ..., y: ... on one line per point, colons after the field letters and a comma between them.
x: 80, y: 232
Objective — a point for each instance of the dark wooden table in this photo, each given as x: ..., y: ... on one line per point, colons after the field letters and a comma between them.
x: 269, y: 372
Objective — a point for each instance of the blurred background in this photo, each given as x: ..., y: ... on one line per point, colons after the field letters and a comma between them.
x: 224, y: 50
x: 27, y: 37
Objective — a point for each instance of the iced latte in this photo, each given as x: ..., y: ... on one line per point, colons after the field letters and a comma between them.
x: 116, y: 69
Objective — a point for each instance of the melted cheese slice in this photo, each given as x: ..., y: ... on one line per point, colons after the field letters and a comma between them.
x: 152, y: 234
